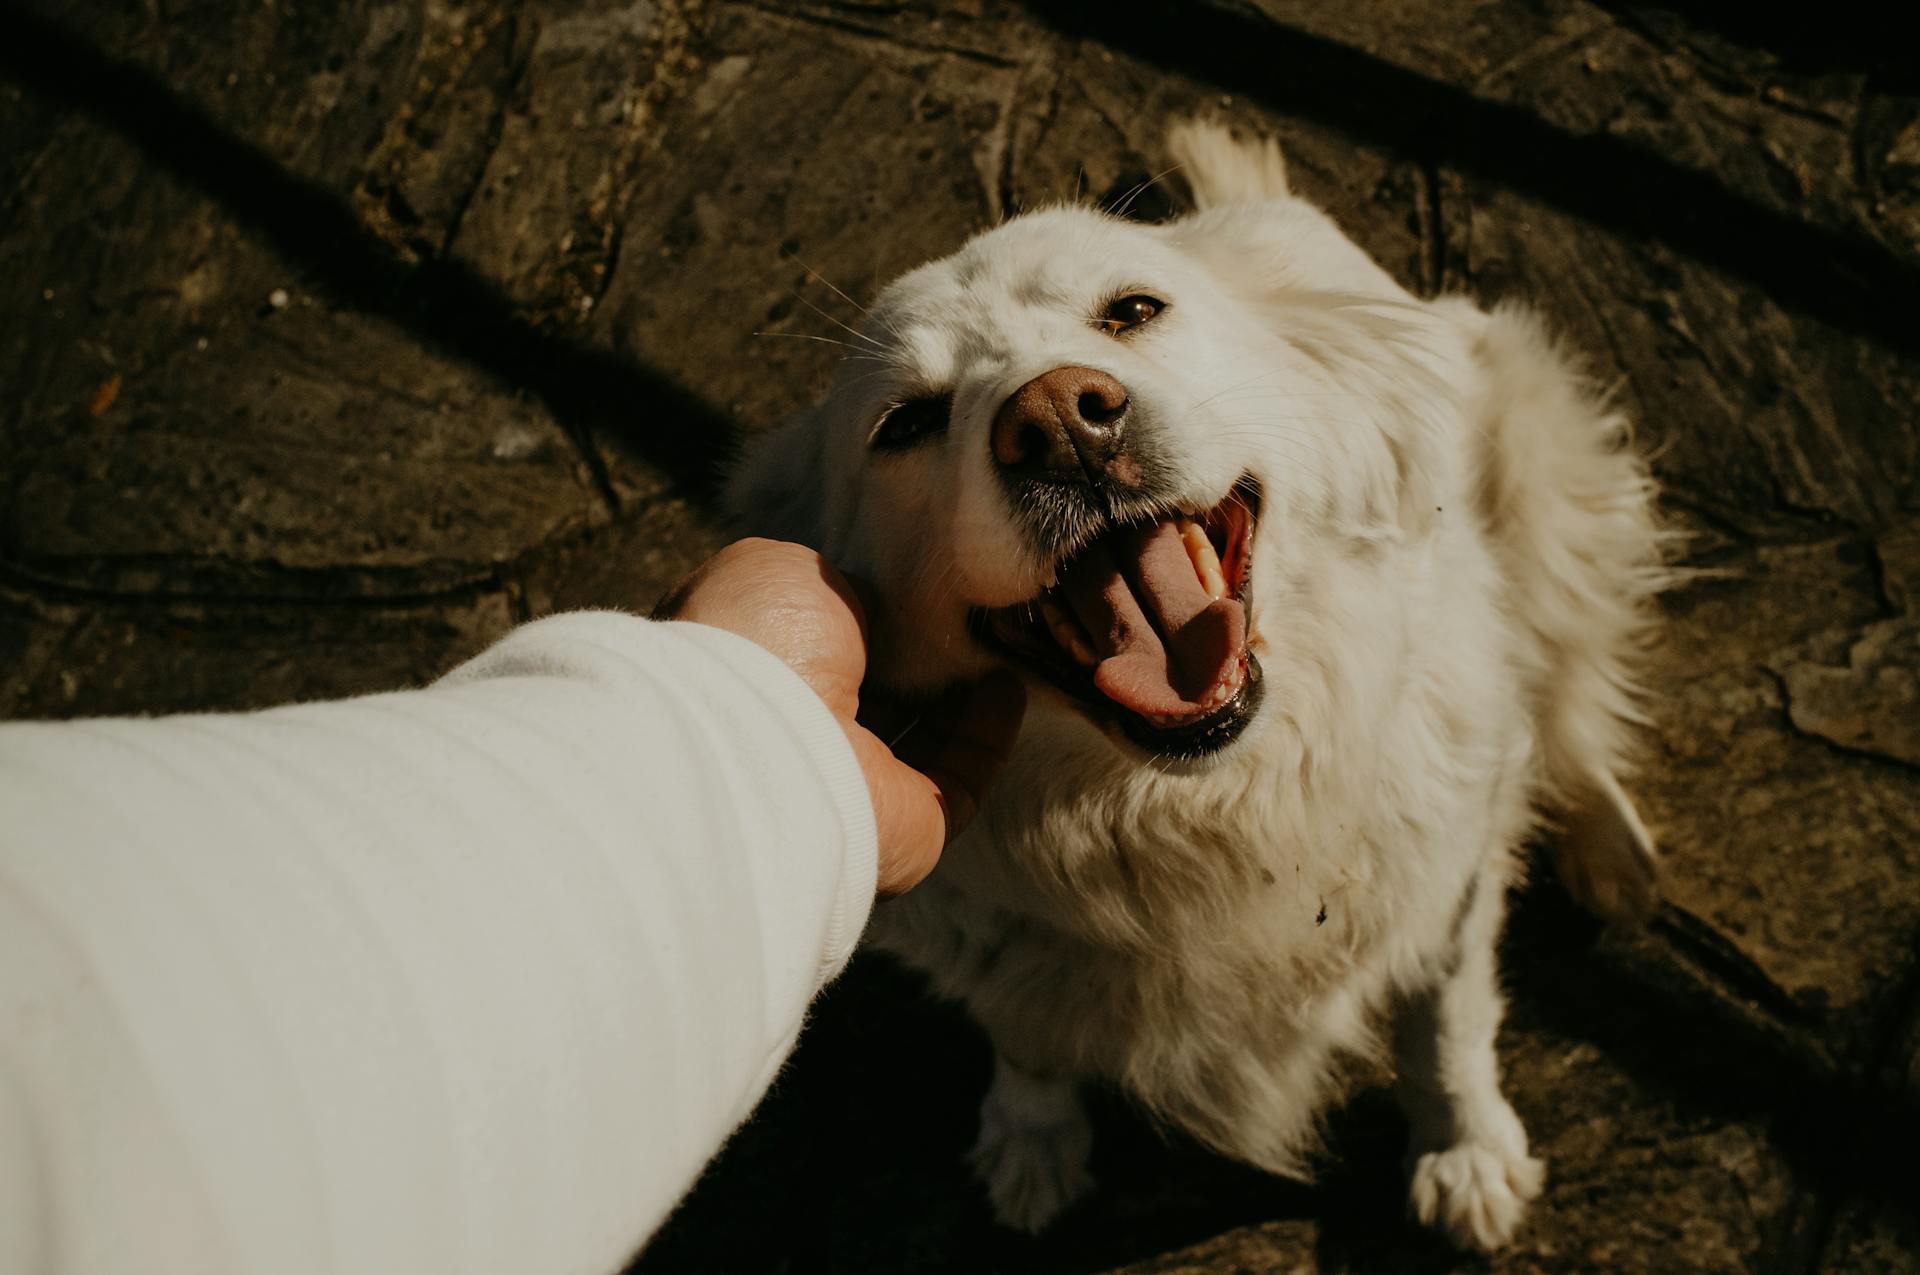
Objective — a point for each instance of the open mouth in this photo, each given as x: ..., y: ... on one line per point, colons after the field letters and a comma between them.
x: 1146, y: 627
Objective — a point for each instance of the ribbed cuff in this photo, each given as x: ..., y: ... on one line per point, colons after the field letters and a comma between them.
x: 827, y: 747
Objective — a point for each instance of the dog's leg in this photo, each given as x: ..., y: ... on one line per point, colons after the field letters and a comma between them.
x: 1471, y: 1175
x: 1033, y: 1147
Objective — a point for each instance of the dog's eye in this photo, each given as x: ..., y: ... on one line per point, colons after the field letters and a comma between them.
x: 1129, y: 312
x: 913, y: 422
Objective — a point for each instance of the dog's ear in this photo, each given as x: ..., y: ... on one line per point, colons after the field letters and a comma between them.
x: 1287, y: 259
x: 773, y: 488
x: 1219, y: 167
x: 1406, y: 367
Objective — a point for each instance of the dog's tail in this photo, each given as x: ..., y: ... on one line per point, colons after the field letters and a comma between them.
x: 1569, y: 504
x: 1221, y: 168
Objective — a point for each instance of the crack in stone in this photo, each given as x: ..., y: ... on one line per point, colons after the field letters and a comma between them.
x: 45, y: 593
x: 1876, y: 565
x: 1004, y: 179
x: 490, y: 148
x: 1544, y: 49
x: 616, y: 242
x: 993, y: 155
x: 1813, y: 735
x: 448, y: 53
x: 892, y: 39
x: 1042, y: 121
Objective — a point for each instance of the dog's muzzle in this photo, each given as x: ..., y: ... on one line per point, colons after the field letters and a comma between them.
x: 1070, y: 452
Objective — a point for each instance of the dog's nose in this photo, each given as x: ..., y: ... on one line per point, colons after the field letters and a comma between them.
x: 1066, y: 422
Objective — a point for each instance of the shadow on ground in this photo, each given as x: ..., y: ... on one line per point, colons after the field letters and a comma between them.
x: 856, y: 1161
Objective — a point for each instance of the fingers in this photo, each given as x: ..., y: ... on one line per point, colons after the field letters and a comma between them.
x: 787, y: 599
x: 920, y: 808
x: 910, y: 817
x: 794, y: 603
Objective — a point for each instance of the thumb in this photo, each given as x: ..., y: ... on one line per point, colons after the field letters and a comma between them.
x: 977, y: 748
x: 930, y: 793
x: 909, y: 815
x: 921, y: 807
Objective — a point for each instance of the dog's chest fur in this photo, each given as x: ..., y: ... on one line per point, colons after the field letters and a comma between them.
x: 1215, y: 944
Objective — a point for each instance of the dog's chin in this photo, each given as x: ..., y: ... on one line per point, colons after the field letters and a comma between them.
x: 1146, y: 631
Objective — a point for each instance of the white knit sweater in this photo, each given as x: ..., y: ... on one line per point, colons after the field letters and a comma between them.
x: 469, y: 979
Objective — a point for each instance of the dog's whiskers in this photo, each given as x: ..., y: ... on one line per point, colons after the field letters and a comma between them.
x: 878, y: 347
x: 1127, y: 201
x: 815, y: 274
x: 894, y: 743
x: 858, y: 352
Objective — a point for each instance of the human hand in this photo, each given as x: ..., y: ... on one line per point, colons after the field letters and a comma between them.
x: 793, y: 602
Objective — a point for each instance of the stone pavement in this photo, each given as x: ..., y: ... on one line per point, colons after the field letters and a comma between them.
x: 338, y: 337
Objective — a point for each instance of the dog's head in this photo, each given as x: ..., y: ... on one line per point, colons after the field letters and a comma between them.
x: 1094, y: 450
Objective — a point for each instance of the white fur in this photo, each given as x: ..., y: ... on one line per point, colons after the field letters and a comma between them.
x: 1452, y: 565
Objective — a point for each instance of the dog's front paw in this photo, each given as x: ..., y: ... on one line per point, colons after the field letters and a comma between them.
x: 1475, y: 1192
x: 1032, y: 1156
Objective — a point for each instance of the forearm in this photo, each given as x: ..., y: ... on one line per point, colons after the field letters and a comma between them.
x: 469, y: 979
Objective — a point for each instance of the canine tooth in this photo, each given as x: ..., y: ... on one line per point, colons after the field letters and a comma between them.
x: 1206, y: 563
x: 1066, y: 631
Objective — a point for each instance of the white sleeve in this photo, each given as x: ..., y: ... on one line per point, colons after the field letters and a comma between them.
x: 469, y: 979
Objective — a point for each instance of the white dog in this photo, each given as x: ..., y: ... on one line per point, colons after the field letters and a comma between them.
x: 1322, y: 591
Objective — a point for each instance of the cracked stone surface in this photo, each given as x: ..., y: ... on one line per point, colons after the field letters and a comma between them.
x: 342, y: 337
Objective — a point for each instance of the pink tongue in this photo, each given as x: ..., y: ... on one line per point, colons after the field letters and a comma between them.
x: 1165, y: 647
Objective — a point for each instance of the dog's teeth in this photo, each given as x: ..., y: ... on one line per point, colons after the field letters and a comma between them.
x: 1206, y: 563
x: 1229, y: 687
x: 1066, y: 631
